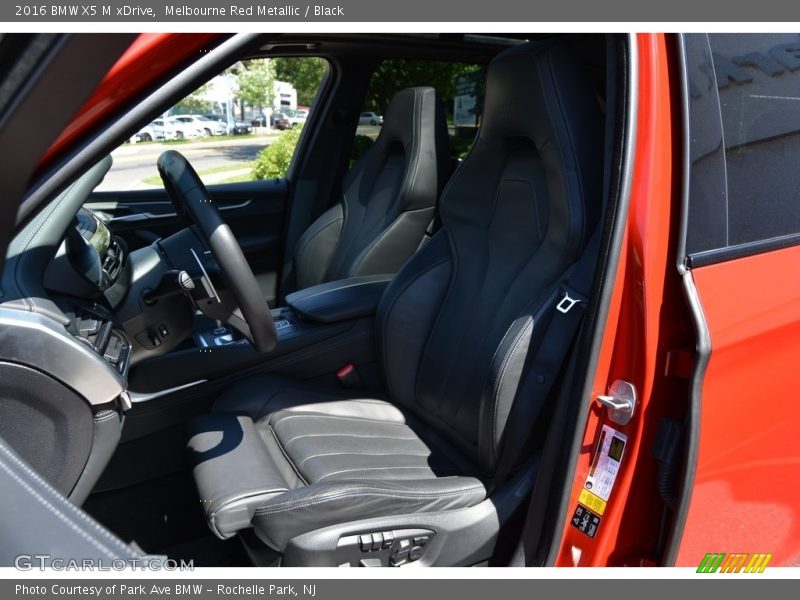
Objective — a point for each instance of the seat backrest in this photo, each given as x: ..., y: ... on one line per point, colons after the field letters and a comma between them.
x: 388, y: 197
x: 455, y: 325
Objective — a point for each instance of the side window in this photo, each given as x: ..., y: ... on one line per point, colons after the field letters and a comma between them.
x: 744, y: 101
x: 460, y: 86
x: 243, y: 125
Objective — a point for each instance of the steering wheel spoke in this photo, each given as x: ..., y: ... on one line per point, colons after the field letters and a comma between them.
x: 250, y: 315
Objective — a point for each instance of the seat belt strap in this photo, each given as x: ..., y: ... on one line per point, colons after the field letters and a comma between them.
x: 548, y: 359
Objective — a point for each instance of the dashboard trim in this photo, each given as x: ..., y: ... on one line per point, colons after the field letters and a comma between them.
x: 137, y: 397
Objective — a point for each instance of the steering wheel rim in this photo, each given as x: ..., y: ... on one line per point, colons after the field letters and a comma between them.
x: 191, y: 198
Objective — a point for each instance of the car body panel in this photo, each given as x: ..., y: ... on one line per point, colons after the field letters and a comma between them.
x: 746, y: 484
x: 370, y: 118
x: 151, y: 58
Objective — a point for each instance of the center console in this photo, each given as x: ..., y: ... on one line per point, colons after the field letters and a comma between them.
x: 321, y: 329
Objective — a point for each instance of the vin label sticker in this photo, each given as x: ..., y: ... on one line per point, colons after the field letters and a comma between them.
x: 604, y: 469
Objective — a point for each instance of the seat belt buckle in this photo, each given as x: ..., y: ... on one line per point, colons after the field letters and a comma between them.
x: 348, y: 376
x: 567, y: 302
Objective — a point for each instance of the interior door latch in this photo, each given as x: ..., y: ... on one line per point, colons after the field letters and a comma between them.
x: 620, y: 401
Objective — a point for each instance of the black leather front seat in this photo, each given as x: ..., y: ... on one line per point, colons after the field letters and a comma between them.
x: 453, y: 330
x: 388, y: 198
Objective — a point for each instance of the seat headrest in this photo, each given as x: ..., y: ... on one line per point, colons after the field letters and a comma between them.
x: 414, y: 122
x: 540, y: 92
x: 409, y: 110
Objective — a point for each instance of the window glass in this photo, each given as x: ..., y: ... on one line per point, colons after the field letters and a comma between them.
x: 744, y: 95
x: 242, y: 125
x: 460, y: 85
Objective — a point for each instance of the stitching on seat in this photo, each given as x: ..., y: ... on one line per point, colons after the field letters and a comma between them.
x: 361, y: 454
x: 499, y: 382
x: 245, y: 497
x: 385, y: 437
x: 372, y: 469
x: 248, y: 496
x: 377, y: 492
x: 286, y: 455
x: 449, y: 473
x: 323, y: 416
x: 74, y: 512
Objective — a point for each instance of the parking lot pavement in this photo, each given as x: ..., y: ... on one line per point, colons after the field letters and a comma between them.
x: 136, y: 163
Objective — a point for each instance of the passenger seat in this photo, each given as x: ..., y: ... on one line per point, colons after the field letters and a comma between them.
x: 388, y: 198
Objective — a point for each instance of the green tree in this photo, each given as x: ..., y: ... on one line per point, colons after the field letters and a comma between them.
x: 256, y: 81
x: 304, y: 73
x: 274, y: 160
x: 393, y: 75
x: 194, y: 103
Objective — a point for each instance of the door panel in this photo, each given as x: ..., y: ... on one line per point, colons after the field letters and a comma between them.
x: 254, y: 210
x: 746, y: 484
x: 743, y: 248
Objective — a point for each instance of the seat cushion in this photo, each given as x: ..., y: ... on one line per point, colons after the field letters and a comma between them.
x: 316, y: 459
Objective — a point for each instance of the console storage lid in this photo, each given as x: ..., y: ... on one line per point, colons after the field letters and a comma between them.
x: 339, y: 300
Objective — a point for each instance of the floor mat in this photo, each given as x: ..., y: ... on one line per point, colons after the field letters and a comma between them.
x: 210, y: 551
x: 164, y: 516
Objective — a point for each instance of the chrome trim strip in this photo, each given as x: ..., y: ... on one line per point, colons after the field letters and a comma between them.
x: 137, y: 397
x: 146, y: 216
x: 702, y: 336
x: 205, y: 275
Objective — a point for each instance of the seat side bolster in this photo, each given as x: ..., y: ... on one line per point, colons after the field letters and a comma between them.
x: 316, y: 248
x: 312, y: 507
x: 392, y: 247
x: 233, y: 470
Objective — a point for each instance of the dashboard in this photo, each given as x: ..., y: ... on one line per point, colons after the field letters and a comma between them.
x: 87, y: 280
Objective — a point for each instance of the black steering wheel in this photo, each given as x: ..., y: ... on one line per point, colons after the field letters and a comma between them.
x: 191, y: 198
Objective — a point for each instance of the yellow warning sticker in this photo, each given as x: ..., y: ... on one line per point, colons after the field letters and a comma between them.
x: 592, y: 502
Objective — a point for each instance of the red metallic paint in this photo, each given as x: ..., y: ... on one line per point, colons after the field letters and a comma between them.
x: 747, y: 485
x: 640, y: 329
x: 149, y: 59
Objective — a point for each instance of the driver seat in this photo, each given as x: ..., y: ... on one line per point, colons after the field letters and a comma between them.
x: 293, y: 460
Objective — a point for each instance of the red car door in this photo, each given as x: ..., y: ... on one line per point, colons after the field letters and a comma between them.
x: 743, y: 252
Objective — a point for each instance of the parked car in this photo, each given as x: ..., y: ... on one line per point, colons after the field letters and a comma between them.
x: 280, y: 121
x: 586, y: 359
x: 370, y: 118
x: 202, y: 126
x: 238, y: 127
x: 221, y: 120
x: 148, y: 133
x: 289, y: 119
x: 241, y: 128
x: 169, y: 130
